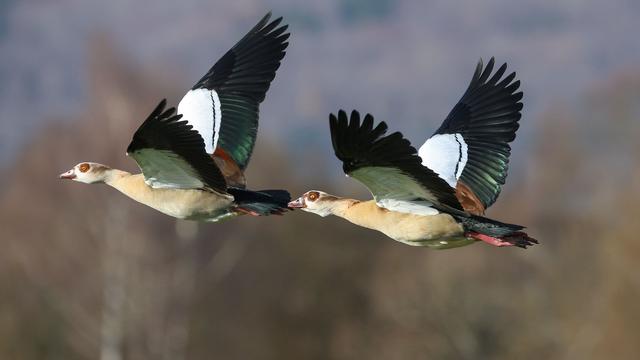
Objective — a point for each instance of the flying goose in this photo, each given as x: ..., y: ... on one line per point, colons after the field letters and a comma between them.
x: 193, y: 161
x: 434, y: 196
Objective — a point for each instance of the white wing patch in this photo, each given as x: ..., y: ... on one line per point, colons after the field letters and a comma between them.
x: 164, y: 169
x: 411, y: 207
x: 201, y: 109
x: 446, y: 154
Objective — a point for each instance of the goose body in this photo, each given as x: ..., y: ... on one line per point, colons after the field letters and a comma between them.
x: 435, y: 196
x: 193, y: 159
x: 438, y: 230
x: 188, y: 204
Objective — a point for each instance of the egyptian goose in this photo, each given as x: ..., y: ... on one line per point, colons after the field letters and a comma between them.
x: 434, y: 196
x: 193, y: 161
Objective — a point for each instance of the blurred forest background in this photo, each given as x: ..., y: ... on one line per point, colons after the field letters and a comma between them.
x: 86, y: 273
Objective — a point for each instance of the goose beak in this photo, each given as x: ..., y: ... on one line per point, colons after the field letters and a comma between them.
x: 68, y: 175
x: 297, y: 203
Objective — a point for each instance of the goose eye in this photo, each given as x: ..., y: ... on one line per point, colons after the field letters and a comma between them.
x: 84, y: 167
x: 313, y: 196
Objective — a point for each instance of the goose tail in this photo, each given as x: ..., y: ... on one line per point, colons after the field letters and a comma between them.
x: 261, y: 203
x: 495, y: 232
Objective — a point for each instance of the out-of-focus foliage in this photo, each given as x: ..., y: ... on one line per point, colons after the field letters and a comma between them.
x: 86, y: 273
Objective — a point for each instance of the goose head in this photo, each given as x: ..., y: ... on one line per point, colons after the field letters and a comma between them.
x: 88, y: 173
x: 315, y: 201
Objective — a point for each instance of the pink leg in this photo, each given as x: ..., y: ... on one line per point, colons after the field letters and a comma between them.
x: 488, y: 239
x: 247, y: 211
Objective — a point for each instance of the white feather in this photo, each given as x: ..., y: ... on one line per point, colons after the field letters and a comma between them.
x: 411, y: 207
x: 201, y: 109
x: 444, y: 154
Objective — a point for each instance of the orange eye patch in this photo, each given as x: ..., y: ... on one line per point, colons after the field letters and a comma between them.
x: 84, y: 167
x: 313, y: 196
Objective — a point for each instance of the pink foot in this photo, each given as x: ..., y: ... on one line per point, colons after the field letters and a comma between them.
x: 488, y: 239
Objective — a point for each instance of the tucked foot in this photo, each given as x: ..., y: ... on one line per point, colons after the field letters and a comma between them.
x: 518, y: 239
x: 247, y: 211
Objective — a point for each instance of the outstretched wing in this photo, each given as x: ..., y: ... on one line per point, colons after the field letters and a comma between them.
x: 171, y: 154
x: 470, y: 150
x: 223, y: 106
x: 388, y: 166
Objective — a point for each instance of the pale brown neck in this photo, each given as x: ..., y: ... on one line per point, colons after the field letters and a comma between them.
x: 131, y: 185
x: 340, y: 206
x: 113, y: 175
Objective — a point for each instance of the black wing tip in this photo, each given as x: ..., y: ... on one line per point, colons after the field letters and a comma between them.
x: 483, y: 75
x: 162, y: 113
x: 265, y: 23
x: 273, y: 27
x: 157, y: 114
x: 354, y: 128
x: 276, y: 31
x: 355, y: 138
x: 263, y: 47
x: 158, y: 110
x: 354, y: 118
x: 266, y: 16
